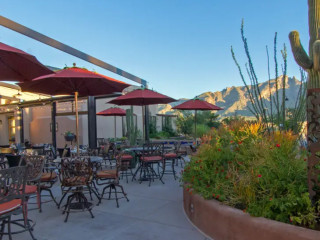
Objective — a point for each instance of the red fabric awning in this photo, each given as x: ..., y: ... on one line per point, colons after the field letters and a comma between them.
x: 142, y: 97
x: 196, y: 104
x: 71, y: 80
x: 17, y: 65
x: 112, y: 112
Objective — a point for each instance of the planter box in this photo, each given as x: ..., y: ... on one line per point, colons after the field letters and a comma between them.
x: 222, y: 222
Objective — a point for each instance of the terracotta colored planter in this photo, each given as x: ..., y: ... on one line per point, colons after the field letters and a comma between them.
x: 222, y: 222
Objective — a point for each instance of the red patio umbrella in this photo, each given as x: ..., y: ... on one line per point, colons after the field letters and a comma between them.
x: 75, y: 81
x: 196, y: 104
x: 17, y: 65
x: 142, y: 97
x: 113, y: 112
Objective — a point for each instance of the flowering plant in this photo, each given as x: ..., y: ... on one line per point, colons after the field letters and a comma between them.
x: 262, y: 174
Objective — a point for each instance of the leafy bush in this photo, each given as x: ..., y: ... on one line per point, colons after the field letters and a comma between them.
x: 205, y: 119
x: 265, y: 175
x: 185, y: 123
x: 202, y: 129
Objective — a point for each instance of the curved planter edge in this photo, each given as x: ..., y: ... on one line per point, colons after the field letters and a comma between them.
x: 222, y: 222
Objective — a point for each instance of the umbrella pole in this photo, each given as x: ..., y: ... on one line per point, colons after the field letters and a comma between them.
x: 143, y: 130
x: 195, y: 125
x: 122, y: 126
x: 77, y: 121
x: 115, y: 128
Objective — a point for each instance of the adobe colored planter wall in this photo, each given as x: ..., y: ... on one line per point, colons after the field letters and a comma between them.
x: 222, y: 222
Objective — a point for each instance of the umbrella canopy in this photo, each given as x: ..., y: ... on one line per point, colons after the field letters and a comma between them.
x: 142, y: 97
x: 196, y: 104
x: 17, y: 65
x: 75, y: 81
x: 71, y: 80
x: 112, y: 112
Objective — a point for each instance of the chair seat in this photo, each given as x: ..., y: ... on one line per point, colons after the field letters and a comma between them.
x: 151, y: 158
x: 170, y: 155
x: 110, y: 173
x: 31, y: 189
x: 75, y: 181
x: 126, y: 157
x: 10, y: 206
x: 46, y: 177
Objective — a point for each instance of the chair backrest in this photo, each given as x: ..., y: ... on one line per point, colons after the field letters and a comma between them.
x: 76, y: 167
x: 121, y: 164
x: 49, y: 153
x: 93, y: 152
x: 35, y: 151
x: 35, y: 164
x: 108, y: 150
x: 101, y: 141
x: 38, y: 150
x: 13, y: 160
x: 12, y: 183
x: 153, y: 149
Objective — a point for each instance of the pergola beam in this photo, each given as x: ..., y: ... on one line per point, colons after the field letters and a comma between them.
x: 67, y: 49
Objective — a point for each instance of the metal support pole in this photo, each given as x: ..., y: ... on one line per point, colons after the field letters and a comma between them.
x: 146, y: 123
x: 195, y: 125
x: 53, y: 125
x: 143, y: 123
x: 92, y: 122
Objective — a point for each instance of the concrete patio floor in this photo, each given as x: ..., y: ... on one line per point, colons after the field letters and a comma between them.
x: 154, y: 212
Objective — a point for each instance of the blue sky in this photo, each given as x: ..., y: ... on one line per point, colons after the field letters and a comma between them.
x: 181, y: 47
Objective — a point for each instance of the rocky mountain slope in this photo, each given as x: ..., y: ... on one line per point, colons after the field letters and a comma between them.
x: 235, y: 100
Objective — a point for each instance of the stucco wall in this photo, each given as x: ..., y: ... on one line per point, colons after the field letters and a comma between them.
x: 4, y: 132
x: 37, y: 124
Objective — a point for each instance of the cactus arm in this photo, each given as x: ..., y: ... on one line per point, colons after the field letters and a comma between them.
x: 316, y: 55
x: 298, y: 51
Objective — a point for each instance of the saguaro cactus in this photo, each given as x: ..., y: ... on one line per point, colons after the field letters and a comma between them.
x: 132, y: 131
x: 311, y: 64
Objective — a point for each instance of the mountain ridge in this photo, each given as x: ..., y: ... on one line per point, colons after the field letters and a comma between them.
x: 235, y: 100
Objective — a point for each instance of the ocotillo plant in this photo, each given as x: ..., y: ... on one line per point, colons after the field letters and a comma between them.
x: 132, y: 130
x: 272, y: 114
x: 311, y: 64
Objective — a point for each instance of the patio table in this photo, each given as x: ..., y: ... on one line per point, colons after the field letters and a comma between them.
x: 138, y: 151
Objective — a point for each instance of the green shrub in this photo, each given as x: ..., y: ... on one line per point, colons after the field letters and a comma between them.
x: 265, y: 175
x: 185, y: 123
x: 202, y: 129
